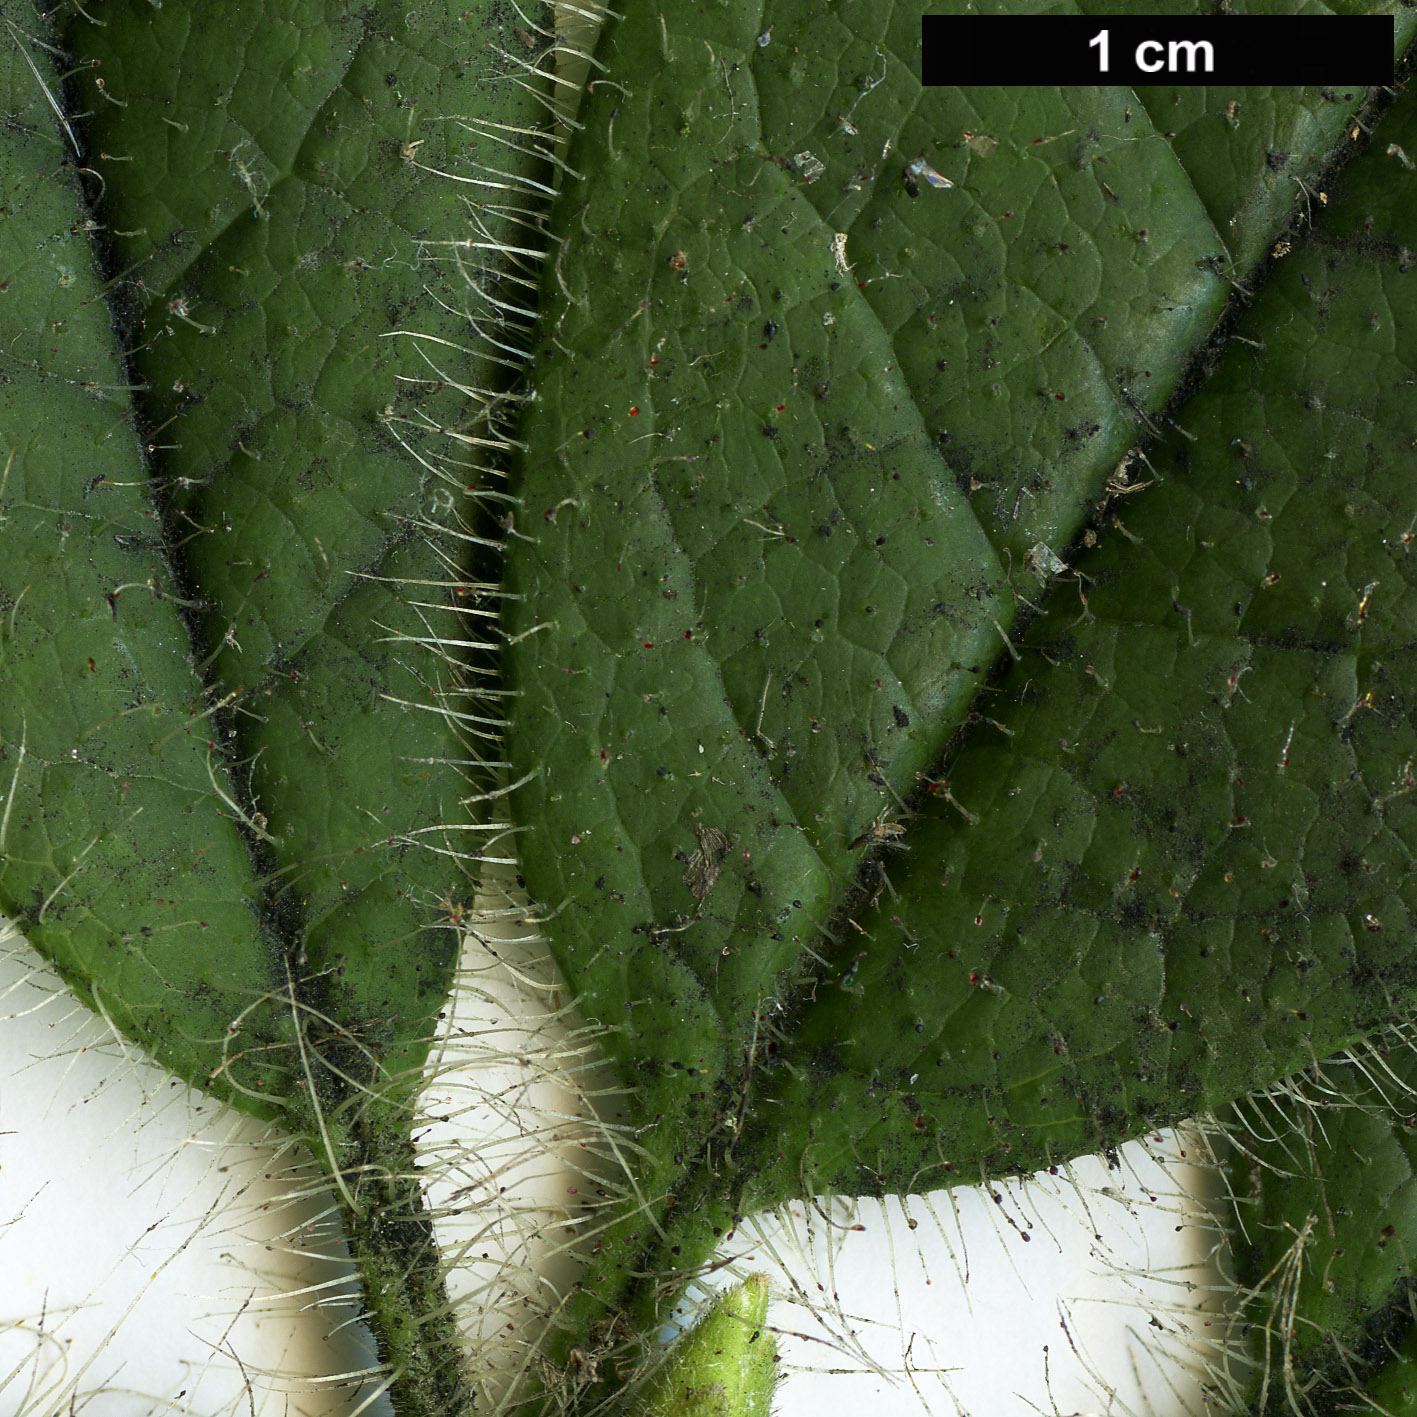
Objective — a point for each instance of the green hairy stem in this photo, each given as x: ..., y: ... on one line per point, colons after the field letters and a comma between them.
x: 923, y: 577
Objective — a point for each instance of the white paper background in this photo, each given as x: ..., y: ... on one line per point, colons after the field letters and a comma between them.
x: 147, y: 1230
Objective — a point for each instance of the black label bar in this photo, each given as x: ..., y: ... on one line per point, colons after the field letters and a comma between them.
x: 1165, y: 49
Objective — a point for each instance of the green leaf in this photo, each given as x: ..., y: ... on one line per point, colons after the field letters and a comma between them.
x: 1202, y: 839
x: 919, y: 782
x: 260, y: 318
x: 94, y: 690
x: 1321, y: 1169
x: 1322, y: 1175
x: 725, y: 1366
x: 246, y: 758
x: 816, y: 435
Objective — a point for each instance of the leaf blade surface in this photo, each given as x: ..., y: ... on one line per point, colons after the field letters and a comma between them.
x: 651, y: 703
